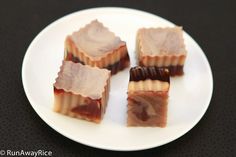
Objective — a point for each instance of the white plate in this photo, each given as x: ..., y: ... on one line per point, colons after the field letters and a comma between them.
x: 189, y: 99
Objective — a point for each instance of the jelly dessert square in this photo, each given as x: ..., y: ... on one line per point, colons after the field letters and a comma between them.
x: 81, y: 91
x: 162, y: 47
x: 95, y: 45
x: 148, y: 96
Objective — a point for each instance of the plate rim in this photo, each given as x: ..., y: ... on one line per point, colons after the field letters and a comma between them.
x: 70, y: 15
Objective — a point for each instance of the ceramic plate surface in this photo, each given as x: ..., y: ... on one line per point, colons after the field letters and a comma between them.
x: 189, y: 95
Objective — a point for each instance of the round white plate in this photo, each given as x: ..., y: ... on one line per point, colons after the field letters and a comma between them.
x: 189, y: 95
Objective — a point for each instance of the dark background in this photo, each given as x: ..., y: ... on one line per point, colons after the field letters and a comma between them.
x: 212, y: 24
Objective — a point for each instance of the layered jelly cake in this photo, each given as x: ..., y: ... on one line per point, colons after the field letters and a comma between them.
x: 161, y: 47
x: 148, y: 96
x: 81, y: 91
x: 95, y: 45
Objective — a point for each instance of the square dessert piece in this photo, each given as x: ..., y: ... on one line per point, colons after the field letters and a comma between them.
x: 161, y: 47
x: 148, y: 96
x: 81, y: 91
x: 95, y: 45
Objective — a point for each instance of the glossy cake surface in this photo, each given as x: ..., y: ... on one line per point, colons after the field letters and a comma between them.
x: 148, y: 96
x: 81, y: 91
x: 162, y: 47
x: 95, y: 45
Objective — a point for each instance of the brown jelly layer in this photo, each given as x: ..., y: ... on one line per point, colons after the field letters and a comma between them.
x: 176, y: 70
x: 58, y: 91
x: 173, y: 70
x: 139, y: 73
x: 114, y: 68
x: 91, y: 109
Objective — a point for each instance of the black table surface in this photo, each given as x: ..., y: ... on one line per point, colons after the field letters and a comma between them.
x: 212, y: 24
